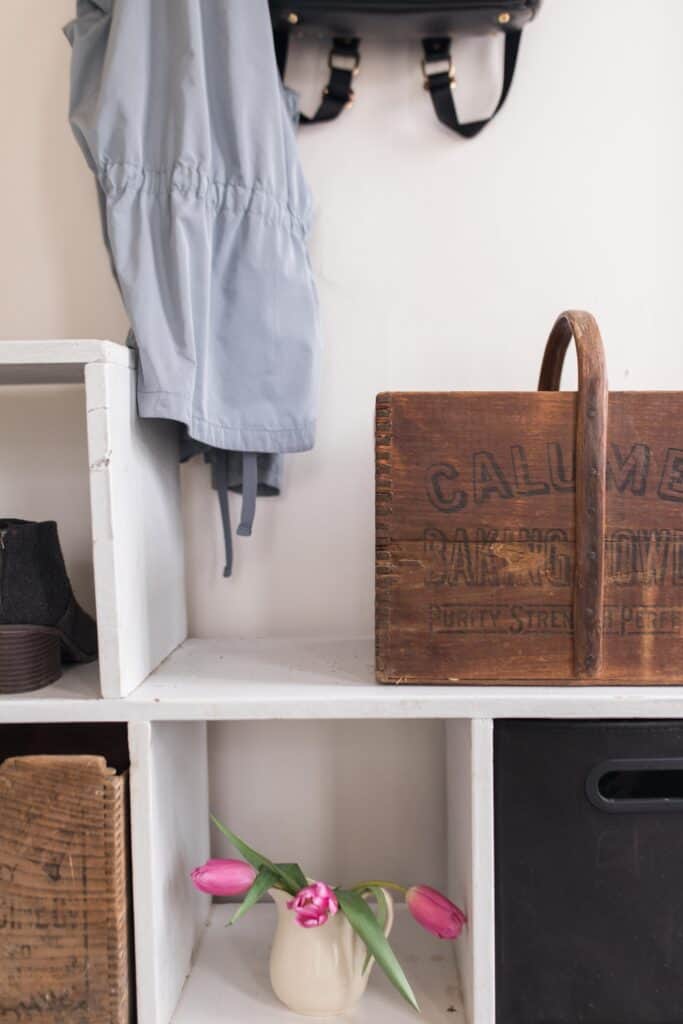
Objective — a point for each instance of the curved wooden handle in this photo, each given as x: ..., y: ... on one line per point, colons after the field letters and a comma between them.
x: 591, y: 465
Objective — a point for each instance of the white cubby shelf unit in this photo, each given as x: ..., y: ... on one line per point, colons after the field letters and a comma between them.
x: 166, y: 689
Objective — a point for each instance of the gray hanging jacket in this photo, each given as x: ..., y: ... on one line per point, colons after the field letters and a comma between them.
x: 178, y: 108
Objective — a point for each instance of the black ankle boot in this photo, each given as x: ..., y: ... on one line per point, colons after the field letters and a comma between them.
x: 41, y: 624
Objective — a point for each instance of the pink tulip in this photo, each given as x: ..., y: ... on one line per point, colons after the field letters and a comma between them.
x: 314, y: 905
x: 434, y: 912
x: 223, y: 877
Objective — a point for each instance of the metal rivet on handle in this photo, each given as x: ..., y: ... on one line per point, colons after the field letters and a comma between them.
x: 293, y: 18
x: 503, y: 18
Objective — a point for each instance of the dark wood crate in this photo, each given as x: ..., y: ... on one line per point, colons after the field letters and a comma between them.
x: 531, y: 537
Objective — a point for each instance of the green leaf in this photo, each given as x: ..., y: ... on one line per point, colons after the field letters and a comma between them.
x: 264, y: 881
x: 382, y: 914
x: 294, y: 872
x: 382, y: 906
x: 364, y: 923
x: 257, y: 860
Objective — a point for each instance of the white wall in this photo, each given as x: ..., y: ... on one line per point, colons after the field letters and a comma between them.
x: 440, y: 263
x: 351, y: 801
x: 43, y: 460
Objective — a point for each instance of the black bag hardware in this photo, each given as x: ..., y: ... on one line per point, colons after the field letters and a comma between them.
x: 435, y: 22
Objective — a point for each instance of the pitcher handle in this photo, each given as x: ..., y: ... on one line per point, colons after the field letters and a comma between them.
x: 388, y: 925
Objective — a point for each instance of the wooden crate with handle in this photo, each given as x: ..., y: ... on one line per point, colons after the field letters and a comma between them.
x: 531, y: 537
x: 64, y: 919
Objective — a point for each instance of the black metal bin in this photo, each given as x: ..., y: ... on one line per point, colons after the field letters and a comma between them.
x: 589, y: 872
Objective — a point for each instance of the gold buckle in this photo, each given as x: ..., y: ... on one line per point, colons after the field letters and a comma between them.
x: 352, y: 62
x: 446, y: 66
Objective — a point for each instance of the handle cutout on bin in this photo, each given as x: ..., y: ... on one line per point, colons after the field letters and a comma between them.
x: 637, y: 785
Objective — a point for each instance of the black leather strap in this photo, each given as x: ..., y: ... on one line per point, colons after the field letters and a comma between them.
x: 440, y: 82
x: 281, y: 39
x: 344, y: 61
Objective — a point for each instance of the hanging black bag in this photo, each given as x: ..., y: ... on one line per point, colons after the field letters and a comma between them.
x: 435, y: 22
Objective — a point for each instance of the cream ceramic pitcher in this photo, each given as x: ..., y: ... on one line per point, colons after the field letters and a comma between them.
x: 318, y: 972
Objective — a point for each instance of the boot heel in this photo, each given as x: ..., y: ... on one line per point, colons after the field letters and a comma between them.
x: 30, y: 658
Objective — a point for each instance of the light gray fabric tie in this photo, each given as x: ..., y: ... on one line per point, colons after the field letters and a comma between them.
x: 249, y: 489
x: 220, y: 462
x: 249, y: 482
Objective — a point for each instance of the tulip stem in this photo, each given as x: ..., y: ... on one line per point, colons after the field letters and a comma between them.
x: 381, y: 885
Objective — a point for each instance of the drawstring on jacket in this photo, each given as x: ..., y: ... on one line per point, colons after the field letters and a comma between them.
x: 248, y: 494
x: 219, y: 459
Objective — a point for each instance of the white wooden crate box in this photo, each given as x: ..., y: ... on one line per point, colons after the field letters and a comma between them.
x: 137, y: 545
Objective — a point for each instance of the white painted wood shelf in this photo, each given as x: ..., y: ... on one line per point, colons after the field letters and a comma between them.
x: 299, y: 678
x: 229, y: 981
x: 61, y: 361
